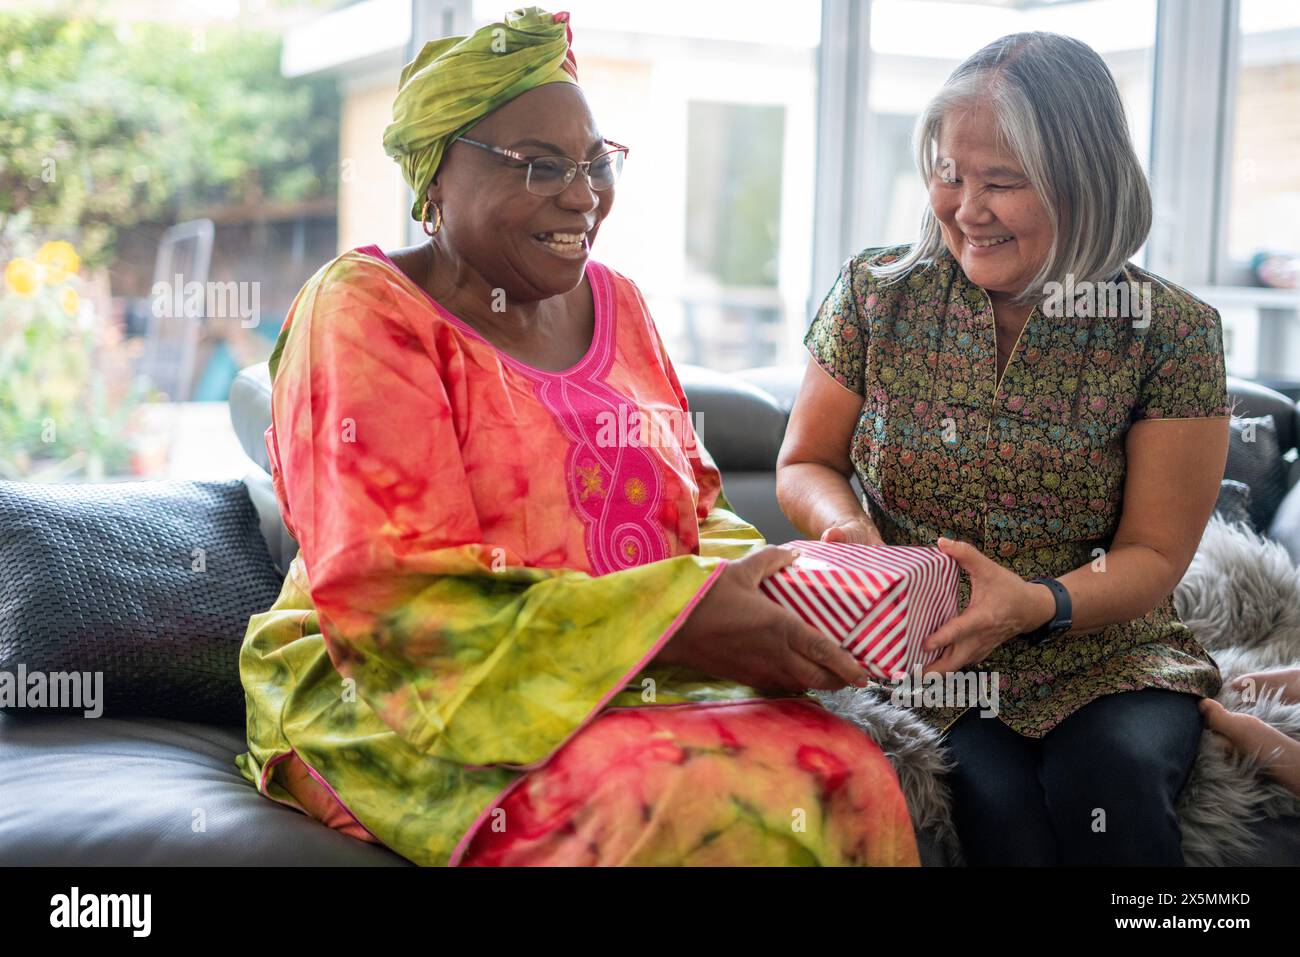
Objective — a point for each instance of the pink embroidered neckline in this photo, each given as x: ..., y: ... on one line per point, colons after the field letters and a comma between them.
x: 615, y: 490
x: 597, y: 277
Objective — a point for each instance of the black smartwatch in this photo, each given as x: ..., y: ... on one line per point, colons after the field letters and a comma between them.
x: 1061, y: 620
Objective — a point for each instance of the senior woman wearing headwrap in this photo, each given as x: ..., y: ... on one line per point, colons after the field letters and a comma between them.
x: 1034, y: 436
x: 516, y: 632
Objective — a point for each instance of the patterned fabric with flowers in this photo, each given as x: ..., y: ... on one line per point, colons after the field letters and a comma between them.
x: 492, y: 556
x: 1030, y: 469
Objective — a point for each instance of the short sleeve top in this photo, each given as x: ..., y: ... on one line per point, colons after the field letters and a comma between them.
x: 1028, y: 466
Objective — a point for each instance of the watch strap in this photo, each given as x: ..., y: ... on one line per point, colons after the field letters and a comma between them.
x: 1061, y: 619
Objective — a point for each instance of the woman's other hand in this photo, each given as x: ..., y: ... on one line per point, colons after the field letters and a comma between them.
x: 1276, y: 753
x: 737, y: 632
x: 1002, y: 605
x: 1285, y: 683
x: 853, y: 531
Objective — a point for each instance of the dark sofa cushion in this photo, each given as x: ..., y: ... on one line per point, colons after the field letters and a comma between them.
x: 149, y: 792
x: 1233, y: 503
x: 1285, y: 527
x: 148, y: 585
x: 1255, y: 458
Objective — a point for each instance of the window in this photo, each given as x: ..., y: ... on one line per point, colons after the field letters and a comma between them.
x: 713, y: 216
x: 916, y: 44
x: 1264, y: 186
x: 1262, y: 198
x: 732, y: 304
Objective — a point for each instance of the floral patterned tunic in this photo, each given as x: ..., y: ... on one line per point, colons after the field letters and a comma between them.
x: 1030, y: 469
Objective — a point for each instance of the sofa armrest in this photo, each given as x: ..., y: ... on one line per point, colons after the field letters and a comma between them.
x: 250, y: 412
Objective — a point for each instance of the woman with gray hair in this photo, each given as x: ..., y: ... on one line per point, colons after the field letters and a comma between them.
x: 1011, y: 388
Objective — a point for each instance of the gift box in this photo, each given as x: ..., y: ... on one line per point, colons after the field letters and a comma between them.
x: 878, y: 601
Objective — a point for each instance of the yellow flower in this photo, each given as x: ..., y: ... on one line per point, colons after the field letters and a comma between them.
x: 69, y: 300
x: 59, y: 259
x: 21, y: 277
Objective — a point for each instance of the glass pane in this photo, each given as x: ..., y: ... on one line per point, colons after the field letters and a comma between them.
x: 733, y: 304
x: 165, y: 190
x: 734, y: 170
x: 916, y: 44
x: 1261, y: 332
x: 713, y: 216
x: 1265, y: 184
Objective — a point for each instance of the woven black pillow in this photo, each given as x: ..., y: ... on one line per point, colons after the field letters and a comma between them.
x: 149, y: 583
x: 1255, y: 458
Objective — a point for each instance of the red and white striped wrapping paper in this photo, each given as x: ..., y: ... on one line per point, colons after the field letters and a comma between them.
x: 878, y: 601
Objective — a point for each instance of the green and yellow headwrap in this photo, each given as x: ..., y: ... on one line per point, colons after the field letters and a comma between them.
x: 456, y: 81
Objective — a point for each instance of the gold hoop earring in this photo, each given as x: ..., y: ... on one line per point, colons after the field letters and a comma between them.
x: 424, y: 218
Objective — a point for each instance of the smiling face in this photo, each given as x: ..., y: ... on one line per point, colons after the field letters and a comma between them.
x: 534, y: 247
x: 992, y: 221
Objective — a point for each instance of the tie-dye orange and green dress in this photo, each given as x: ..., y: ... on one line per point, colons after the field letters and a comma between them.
x: 461, y: 663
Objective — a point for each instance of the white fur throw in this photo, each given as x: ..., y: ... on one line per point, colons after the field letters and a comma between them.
x: 1241, y: 598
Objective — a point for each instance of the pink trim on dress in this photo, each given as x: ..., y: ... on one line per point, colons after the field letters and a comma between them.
x: 616, y: 488
x: 600, y: 306
x: 339, y: 817
x: 266, y: 773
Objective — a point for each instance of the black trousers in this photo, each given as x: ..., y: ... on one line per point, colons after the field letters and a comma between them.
x: 1098, y: 789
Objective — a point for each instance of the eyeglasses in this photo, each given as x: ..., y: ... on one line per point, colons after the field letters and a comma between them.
x: 551, y: 175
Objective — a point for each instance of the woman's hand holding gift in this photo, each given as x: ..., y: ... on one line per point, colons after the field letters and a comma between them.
x: 1002, y: 606
x: 739, y: 633
x: 854, y: 531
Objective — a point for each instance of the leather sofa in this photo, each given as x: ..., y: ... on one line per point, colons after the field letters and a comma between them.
x: 741, y: 419
x: 157, y: 792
